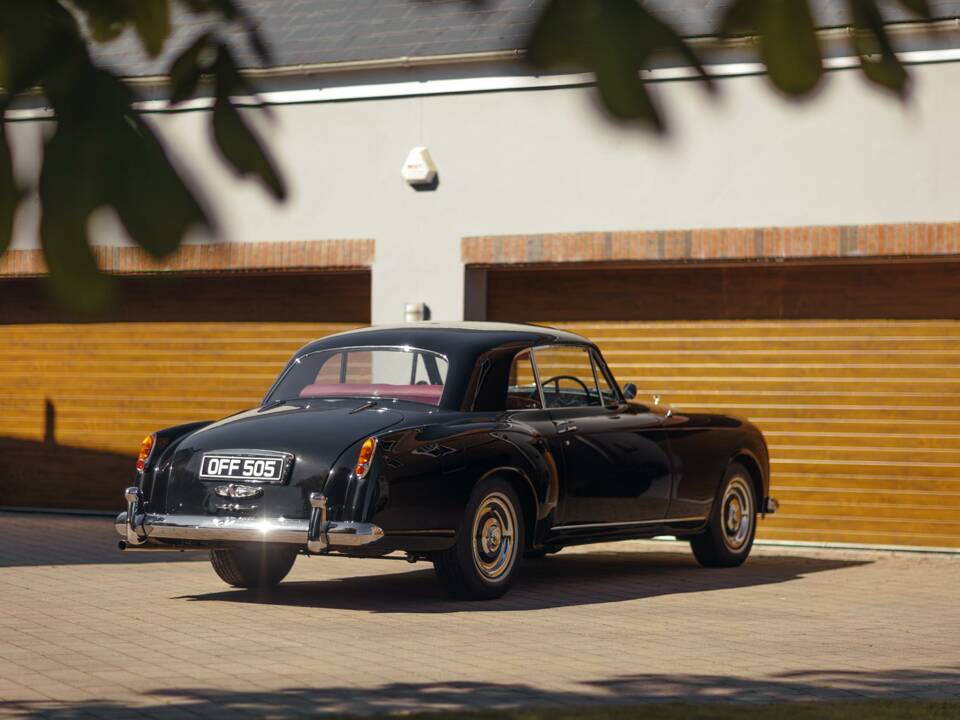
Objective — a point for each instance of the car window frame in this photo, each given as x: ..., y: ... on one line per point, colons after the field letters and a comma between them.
x: 536, y: 380
x: 589, y: 349
x: 294, y: 361
x: 601, y: 364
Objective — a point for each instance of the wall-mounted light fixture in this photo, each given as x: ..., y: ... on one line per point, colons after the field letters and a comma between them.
x: 416, y: 312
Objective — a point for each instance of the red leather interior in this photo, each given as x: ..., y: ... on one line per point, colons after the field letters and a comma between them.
x: 429, y: 394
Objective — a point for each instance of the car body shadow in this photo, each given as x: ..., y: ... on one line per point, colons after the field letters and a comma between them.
x: 556, y: 581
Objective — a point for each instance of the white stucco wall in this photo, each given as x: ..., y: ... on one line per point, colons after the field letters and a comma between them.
x: 547, y: 161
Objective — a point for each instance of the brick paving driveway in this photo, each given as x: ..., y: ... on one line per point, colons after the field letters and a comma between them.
x: 86, y: 631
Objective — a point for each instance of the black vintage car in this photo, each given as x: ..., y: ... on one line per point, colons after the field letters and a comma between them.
x: 471, y: 445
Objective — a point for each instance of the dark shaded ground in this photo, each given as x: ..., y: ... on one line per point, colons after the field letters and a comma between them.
x: 28, y: 538
x: 558, y: 581
x: 297, y: 702
x: 566, y: 579
x: 368, y: 613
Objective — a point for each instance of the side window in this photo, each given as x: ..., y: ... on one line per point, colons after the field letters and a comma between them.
x: 329, y: 373
x: 522, y: 392
x: 608, y: 396
x: 566, y: 374
x: 427, y: 371
x: 359, y: 367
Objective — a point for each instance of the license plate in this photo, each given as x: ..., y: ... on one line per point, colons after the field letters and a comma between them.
x: 252, y: 466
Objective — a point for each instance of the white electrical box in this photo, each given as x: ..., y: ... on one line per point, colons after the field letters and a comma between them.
x: 419, y: 168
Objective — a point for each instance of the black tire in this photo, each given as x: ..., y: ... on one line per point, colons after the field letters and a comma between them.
x: 483, y: 562
x: 728, y: 538
x: 257, y: 567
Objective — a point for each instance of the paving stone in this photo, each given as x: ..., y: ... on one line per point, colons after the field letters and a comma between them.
x: 87, y: 631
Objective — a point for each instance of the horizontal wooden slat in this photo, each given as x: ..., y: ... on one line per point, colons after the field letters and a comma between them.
x: 76, y: 400
x: 862, y: 417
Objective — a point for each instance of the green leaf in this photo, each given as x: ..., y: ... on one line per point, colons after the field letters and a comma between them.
x: 188, y: 68
x: 242, y: 149
x: 234, y: 12
x: 65, y: 209
x: 101, y: 139
x: 878, y: 60
x: 152, y: 20
x: 10, y: 193
x: 788, y: 40
x: 105, y: 19
x: 35, y: 38
x: 614, y: 39
x: 237, y: 141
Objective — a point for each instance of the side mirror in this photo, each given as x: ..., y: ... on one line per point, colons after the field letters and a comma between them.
x: 629, y: 391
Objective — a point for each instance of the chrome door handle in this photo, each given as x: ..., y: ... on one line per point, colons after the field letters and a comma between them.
x: 566, y: 426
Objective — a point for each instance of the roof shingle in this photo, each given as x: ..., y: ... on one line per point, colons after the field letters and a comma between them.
x: 307, y: 32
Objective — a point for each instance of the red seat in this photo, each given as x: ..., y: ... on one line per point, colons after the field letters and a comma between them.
x: 429, y: 394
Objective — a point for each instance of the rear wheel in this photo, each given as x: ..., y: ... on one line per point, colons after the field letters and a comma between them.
x: 733, y: 522
x: 257, y: 567
x: 482, y: 563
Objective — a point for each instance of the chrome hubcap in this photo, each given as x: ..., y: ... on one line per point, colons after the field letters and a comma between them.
x: 737, y: 513
x: 494, y: 544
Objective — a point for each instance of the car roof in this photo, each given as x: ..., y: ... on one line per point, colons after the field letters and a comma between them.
x: 445, y: 337
x: 469, y: 347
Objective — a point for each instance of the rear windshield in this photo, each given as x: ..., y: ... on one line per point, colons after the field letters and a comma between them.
x: 387, y: 372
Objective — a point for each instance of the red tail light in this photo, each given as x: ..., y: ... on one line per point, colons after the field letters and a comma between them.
x: 145, y: 448
x: 365, y: 457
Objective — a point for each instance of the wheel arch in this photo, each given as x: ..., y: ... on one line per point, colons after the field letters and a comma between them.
x: 752, y: 464
x: 523, y: 486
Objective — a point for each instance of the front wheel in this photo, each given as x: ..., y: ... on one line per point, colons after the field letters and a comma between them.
x: 733, y: 522
x: 482, y: 564
x: 257, y: 567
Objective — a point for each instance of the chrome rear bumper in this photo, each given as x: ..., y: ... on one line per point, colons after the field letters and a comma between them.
x: 319, y: 534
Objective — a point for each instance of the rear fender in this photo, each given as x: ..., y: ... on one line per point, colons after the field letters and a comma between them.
x: 152, y: 480
x: 422, y: 478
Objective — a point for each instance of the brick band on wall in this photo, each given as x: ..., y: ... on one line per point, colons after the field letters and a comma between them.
x: 212, y: 257
x: 838, y: 241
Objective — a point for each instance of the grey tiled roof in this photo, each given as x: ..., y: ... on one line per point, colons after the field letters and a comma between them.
x: 303, y: 32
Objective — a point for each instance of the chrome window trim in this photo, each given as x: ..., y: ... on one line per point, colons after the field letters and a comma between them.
x: 596, y: 378
x: 400, y: 348
x: 536, y: 378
